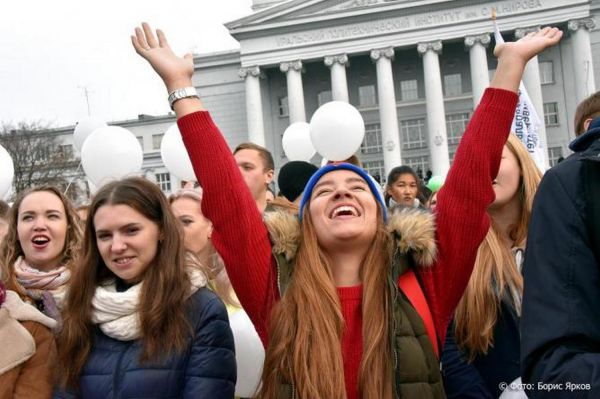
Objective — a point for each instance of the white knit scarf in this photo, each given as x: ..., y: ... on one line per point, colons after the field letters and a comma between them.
x: 117, y: 313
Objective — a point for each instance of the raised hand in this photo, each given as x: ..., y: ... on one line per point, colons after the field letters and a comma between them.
x: 513, y: 56
x: 176, y: 72
x: 530, y: 45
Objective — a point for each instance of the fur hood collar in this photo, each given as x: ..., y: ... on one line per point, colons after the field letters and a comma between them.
x: 412, y: 229
x: 23, y: 311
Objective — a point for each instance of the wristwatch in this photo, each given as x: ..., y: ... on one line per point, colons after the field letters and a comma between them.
x: 178, y: 94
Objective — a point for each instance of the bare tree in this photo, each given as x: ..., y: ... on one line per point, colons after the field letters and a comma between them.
x: 38, y: 156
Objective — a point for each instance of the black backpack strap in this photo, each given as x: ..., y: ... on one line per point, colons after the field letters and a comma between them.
x: 591, y: 188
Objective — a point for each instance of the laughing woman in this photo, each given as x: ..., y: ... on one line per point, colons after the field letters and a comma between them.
x: 326, y: 294
x: 139, y: 321
x: 37, y: 259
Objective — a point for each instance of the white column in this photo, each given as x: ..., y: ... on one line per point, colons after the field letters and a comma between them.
x: 339, y: 86
x: 583, y: 69
x: 479, y: 67
x: 436, y: 117
x: 533, y: 84
x: 388, y: 114
x: 254, y: 113
x: 293, y: 73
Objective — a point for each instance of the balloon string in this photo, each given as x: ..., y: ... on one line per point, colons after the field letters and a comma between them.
x: 73, y: 179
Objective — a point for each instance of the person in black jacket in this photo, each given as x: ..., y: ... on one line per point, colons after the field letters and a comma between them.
x: 139, y: 320
x: 560, y: 326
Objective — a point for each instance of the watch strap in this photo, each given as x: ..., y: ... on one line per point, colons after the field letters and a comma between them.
x: 179, y: 94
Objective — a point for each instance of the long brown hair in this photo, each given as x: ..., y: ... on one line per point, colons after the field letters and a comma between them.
x: 496, y: 273
x: 162, y: 307
x: 11, y: 250
x: 307, y: 325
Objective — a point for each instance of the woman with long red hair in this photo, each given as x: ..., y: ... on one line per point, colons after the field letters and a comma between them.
x: 326, y: 293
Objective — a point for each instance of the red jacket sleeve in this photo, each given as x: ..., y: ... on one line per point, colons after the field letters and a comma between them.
x: 461, y: 218
x: 239, y: 234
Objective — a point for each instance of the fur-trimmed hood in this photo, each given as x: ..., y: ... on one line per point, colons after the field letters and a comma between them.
x: 412, y: 229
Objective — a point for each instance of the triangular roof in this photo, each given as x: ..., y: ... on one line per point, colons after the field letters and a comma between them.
x: 307, y: 11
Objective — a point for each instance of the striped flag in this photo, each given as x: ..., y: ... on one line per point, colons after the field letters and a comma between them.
x: 526, y: 123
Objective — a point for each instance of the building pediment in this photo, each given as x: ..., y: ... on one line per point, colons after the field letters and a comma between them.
x: 303, y: 11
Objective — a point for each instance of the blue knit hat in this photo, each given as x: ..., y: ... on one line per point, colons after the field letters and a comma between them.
x: 340, y: 166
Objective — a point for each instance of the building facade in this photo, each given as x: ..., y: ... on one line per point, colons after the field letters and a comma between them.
x: 414, y: 69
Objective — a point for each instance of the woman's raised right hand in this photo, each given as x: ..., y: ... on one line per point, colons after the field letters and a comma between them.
x: 176, y: 72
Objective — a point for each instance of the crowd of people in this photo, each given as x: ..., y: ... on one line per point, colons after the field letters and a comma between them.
x: 484, y: 287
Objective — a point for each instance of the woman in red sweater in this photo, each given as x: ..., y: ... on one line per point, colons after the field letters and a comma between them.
x: 331, y: 334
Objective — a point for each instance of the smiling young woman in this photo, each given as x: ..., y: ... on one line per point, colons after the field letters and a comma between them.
x: 323, y: 292
x: 138, y: 308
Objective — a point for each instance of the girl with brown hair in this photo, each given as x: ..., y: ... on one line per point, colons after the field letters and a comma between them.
x: 323, y: 292
x: 486, y: 326
x: 37, y: 258
x: 139, y: 321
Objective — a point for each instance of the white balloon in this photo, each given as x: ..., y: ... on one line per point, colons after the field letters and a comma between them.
x: 84, y: 128
x: 337, y: 130
x: 514, y: 390
x: 175, y: 156
x: 7, y: 172
x: 249, y: 354
x: 296, y: 142
x: 111, y: 153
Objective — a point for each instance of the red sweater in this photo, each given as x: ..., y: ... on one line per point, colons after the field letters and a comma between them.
x: 461, y: 223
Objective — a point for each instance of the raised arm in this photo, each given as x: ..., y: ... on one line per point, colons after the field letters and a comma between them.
x: 239, y: 234
x: 461, y: 216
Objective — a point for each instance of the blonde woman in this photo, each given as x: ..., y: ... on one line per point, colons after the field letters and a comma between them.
x: 486, y: 326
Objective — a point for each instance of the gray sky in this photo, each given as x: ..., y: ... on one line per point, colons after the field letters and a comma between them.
x: 51, y: 50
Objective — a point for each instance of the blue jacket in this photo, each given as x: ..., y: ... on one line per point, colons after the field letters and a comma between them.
x: 560, y: 323
x: 206, y: 369
x: 485, y: 375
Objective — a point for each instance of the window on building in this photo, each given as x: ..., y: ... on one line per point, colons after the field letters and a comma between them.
x: 413, y: 133
x: 140, y: 139
x: 554, y: 154
x: 372, y: 141
x: 546, y: 72
x: 324, y: 97
x: 366, y: 96
x: 418, y: 164
x: 452, y: 84
x: 455, y: 126
x: 551, y: 114
x: 156, y: 140
x: 451, y: 154
x: 376, y: 169
x: 164, y: 181
x: 65, y: 151
x: 284, y: 109
x: 409, y: 90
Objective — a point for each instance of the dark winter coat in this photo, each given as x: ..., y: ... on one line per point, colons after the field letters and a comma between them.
x: 482, y: 377
x: 560, y: 325
x: 206, y: 369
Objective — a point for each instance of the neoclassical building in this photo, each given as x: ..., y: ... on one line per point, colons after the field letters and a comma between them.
x: 415, y: 69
